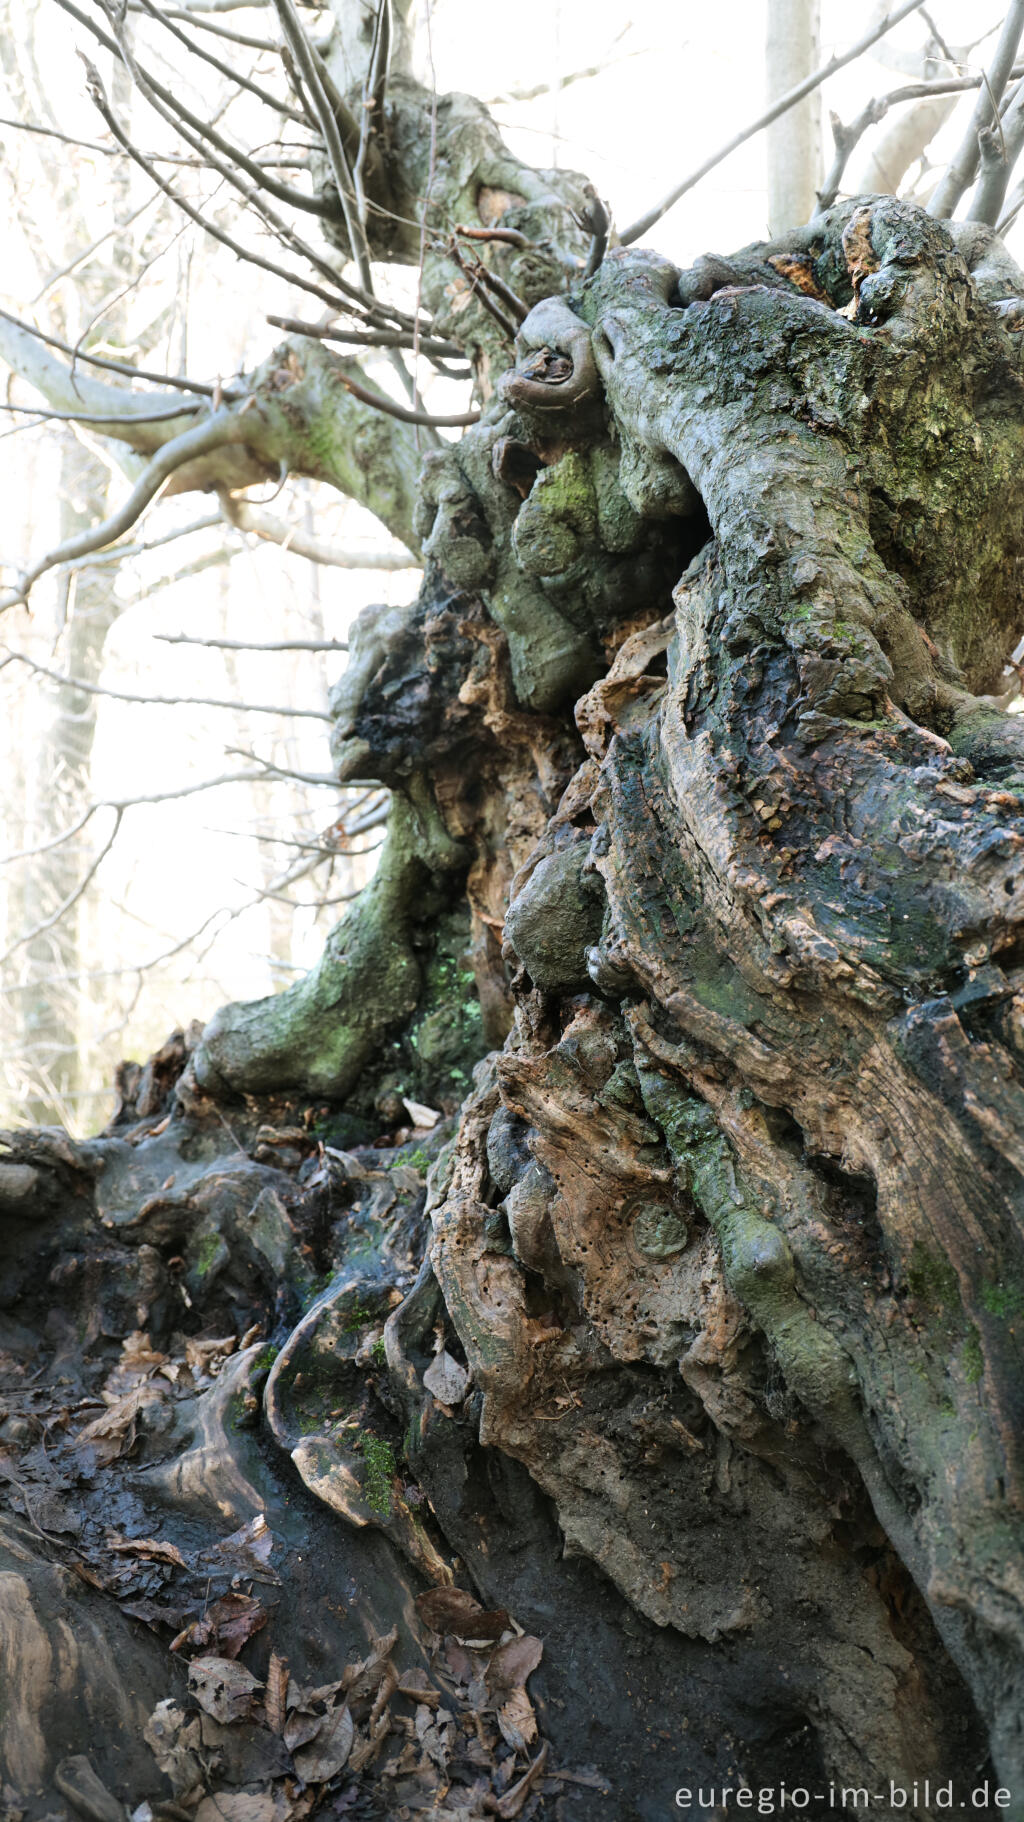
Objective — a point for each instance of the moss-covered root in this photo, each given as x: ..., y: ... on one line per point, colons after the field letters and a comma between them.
x: 318, y: 1035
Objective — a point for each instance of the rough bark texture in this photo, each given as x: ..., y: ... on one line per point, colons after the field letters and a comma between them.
x: 707, y: 827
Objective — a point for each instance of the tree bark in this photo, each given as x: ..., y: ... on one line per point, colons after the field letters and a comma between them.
x: 705, y: 861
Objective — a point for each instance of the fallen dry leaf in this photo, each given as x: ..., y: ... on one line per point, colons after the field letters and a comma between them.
x: 517, y: 1721
x: 301, y: 1727
x: 201, y: 1355
x: 364, y: 1679
x: 329, y: 1749
x: 152, y: 1548
x: 247, y: 1548
x: 510, y: 1805
x: 174, y: 1741
x: 275, y: 1700
x: 238, y: 1806
x: 509, y: 1666
x: 455, y: 1610
x: 223, y: 1688
x: 139, y: 1361
x: 368, y: 1745
x: 445, y: 1379
x: 227, y: 1624
x: 113, y: 1433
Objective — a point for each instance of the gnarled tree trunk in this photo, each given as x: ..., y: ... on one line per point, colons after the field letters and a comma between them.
x: 706, y: 850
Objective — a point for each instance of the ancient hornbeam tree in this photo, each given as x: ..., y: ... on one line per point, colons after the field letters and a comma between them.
x: 706, y: 863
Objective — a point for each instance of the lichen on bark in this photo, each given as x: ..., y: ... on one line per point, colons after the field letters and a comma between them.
x: 706, y: 847
x: 762, y: 956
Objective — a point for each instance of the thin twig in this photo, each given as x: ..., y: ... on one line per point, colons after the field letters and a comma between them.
x: 234, y: 75
x: 208, y: 25
x: 112, y: 366
x: 847, y: 137
x: 248, y: 518
x: 497, y: 284
x: 789, y: 100
x: 92, y: 145
x: 310, y: 65
x: 160, y: 702
x: 374, y: 89
x: 223, y: 427
x: 133, y: 803
x: 253, y: 645
x: 457, y: 421
x: 72, y: 898
x: 171, y: 107
x: 278, y: 771
x: 43, y: 414
x: 118, y: 553
x: 367, y: 338
x: 961, y: 169
x: 474, y: 273
x: 116, y: 229
x: 335, y: 300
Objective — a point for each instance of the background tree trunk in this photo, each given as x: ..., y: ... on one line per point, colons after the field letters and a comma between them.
x: 792, y: 51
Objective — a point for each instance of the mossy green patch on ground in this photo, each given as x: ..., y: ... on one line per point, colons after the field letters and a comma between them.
x: 381, y: 1468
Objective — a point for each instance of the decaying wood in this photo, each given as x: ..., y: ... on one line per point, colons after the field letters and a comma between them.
x: 706, y: 849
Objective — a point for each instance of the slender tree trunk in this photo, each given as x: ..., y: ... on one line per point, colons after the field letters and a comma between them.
x: 51, y: 989
x: 792, y: 51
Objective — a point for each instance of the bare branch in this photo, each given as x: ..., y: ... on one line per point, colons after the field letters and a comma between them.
x: 367, y: 338
x: 118, y: 553
x: 374, y: 90
x: 335, y: 300
x: 172, y: 109
x: 277, y: 771
x: 381, y: 402
x: 161, y: 702
x: 43, y: 414
x: 91, y: 145
x: 196, y: 19
x: 844, y: 140
x: 72, y: 898
x: 234, y: 75
x: 785, y: 102
x: 223, y: 427
x: 111, y: 366
x: 511, y: 236
x: 311, y: 67
x: 477, y: 274
x: 249, y: 518
x: 132, y: 803
x: 961, y: 169
x: 1000, y: 147
x: 904, y: 141
x: 534, y: 91
x: 520, y: 311
x: 254, y: 645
